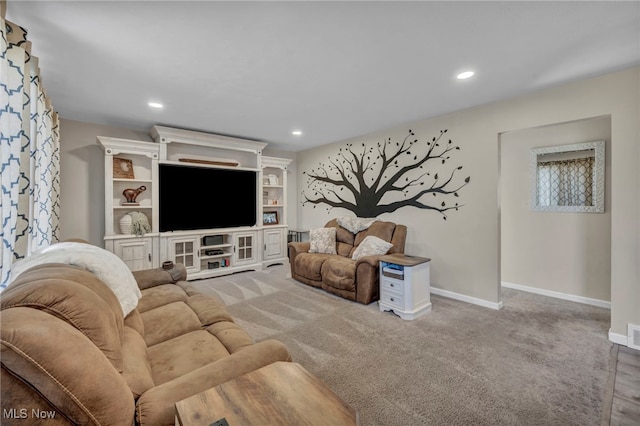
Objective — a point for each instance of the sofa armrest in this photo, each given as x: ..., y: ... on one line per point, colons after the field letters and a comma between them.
x: 367, y: 279
x: 369, y: 260
x: 296, y: 248
x: 157, y: 405
x: 147, y: 278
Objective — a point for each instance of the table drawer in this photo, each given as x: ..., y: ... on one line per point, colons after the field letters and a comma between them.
x: 393, y: 300
x: 393, y: 285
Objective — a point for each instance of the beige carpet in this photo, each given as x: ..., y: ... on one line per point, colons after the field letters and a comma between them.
x: 538, y: 361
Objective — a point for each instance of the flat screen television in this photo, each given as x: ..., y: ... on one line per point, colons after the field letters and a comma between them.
x: 193, y: 197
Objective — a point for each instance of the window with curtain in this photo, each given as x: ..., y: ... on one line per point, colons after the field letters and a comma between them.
x: 566, y: 182
x: 29, y: 154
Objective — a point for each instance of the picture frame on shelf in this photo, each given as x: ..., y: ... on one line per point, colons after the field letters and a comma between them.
x: 123, y: 168
x: 270, y: 218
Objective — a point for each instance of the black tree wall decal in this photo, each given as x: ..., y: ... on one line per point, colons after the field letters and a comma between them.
x: 370, y: 181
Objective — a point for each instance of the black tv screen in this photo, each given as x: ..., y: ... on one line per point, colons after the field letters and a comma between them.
x: 193, y: 197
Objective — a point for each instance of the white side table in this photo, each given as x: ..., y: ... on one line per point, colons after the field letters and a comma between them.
x: 405, y: 285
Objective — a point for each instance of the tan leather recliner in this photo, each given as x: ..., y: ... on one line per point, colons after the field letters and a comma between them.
x: 338, y: 273
x: 68, y: 353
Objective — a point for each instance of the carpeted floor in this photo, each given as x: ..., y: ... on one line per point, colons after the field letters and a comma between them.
x: 537, y: 361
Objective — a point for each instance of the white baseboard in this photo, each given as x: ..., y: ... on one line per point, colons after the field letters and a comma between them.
x: 620, y: 339
x: 558, y: 295
x: 468, y: 299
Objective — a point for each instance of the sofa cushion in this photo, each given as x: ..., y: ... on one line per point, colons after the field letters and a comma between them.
x: 371, y: 246
x: 183, y: 354
x: 160, y: 295
x: 168, y: 321
x: 344, y: 249
x: 382, y: 230
x: 323, y: 240
x: 134, y: 320
x: 339, y: 272
x: 76, y: 297
x: 230, y: 335
x: 137, y: 370
x: 342, y: 235
x: 309, y: 265
x: 64, y: 367
x: 209, y: 309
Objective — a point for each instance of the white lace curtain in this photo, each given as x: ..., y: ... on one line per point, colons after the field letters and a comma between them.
x: 29, y: 154
x: 566, y: 182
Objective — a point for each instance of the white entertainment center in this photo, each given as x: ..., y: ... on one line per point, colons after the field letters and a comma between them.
x: 131, y: 164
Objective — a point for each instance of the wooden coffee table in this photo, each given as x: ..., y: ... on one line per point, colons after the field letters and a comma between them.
x: 283, y: 393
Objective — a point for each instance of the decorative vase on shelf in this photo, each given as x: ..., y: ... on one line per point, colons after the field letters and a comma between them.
x: 126, y: 225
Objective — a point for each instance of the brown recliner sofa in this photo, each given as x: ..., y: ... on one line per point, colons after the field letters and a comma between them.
x: 338, y: 273
x: 68, y: 353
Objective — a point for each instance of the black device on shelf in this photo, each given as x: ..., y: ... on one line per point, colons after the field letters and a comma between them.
x: 193, y: 197
x: 213, y: 252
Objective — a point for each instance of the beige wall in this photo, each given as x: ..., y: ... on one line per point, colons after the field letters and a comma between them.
x: 558, y: 251
x: 465, y: 249
x: 82, y: 178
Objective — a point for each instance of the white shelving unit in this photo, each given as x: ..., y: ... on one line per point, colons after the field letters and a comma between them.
x: 231, y: 250
x: 274, y: 201
x: 204, y: 252
x: 140, y: 163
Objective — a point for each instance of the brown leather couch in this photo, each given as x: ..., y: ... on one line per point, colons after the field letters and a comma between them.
x: 338, y: 273
x: 67, y: 351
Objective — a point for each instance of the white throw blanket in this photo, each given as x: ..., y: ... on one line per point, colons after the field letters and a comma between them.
x: 355, y: 224
x: 105, y: 265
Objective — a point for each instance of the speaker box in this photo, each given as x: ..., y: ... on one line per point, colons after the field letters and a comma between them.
x: 212, y: 240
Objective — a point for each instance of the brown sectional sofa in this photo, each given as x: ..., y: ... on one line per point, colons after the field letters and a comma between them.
x: 338, y: 273
x: 66, y: 348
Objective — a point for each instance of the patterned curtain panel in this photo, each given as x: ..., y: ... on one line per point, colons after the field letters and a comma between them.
x: 566, y: 182
x: 29, y: 154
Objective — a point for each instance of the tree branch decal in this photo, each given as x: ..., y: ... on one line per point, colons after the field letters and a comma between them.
x: 371, y: 180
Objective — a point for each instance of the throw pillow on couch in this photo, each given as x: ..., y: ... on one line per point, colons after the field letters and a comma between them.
x: 323, y: 240
x: 371, y: 246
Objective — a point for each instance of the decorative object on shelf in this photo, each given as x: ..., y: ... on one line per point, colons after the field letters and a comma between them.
x: 271, y: 180
x: 131, y: 194
x: 270, y: 218
x: 122, y: 168
x: 221, y: 162
x: 126, y: 226
x: 135, y: 223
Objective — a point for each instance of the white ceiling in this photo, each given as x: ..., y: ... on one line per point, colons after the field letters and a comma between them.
x: 335, y: 70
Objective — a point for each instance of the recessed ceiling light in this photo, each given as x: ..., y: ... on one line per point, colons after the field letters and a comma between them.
x: 156, y: 105
x: 465, y: 75
x: 296, y: 132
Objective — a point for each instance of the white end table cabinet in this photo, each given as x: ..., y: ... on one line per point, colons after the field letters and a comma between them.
x: 405, y: 285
